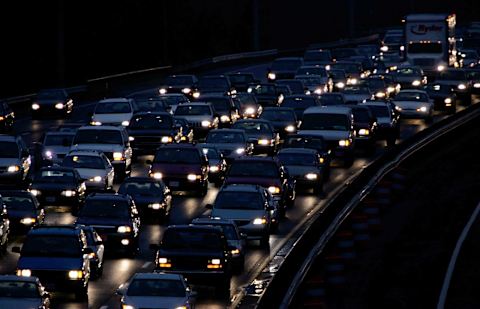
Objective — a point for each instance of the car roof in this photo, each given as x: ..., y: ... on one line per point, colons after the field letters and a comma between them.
x: 67, y: 230
x: 298, y: 150
x: 157, y: 275
x: 328, y: 110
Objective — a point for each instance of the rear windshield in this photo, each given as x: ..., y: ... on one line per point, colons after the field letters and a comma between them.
x: 18, y: 289
x: 254, y: 169
x: 191, y: 239
x: 113, y: 108
x: 177, y: 155
x: 325, y: 122
x: 51, y: 245
x: 239, y: 200
x: 156, y: 287
x: 379, y: 111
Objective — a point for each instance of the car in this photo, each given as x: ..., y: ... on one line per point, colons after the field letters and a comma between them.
x: 4, y: 228
x: 377, y: 86
x: 473, y: 76
x: 216, y: 163
x: 315, y: 84
x: 339, y: 79
x: 367, y: 63
x: 235, y: 239
x: 267, y: 172
x: 56, y: 145
x: 232, y: 143
x: 51, y: 102
x: 157, y: 103
x: 297, y: 87
x: 261, y: 134
x: 365, y: 126
x: 335, y: 125
x: 115, y: 218
x: 113, y: 141
x: 414, y: 104
x: 186, y: 130
x: 24, y: 210
x: 59, y: 256
x: 387, y: 120
x: 268, y: 95
x: 247, y: 105
x: 353, y: 70
x: 300, y: 103
x: 410, y: 77
x: 169, y: 100
x: 152, y: 197
x: 393, y: 42
x: 182, y: 83
x: 156, y: 290
x: 7, y: 117
x: 148, y: 130
x: 113, y: 112
x: 355, y: 94
x: 15, y: 160
x: 200, y: 253
x: 334, y: 98
x: 443, y: 96
x: 214, y: 84
x: 391, y: 61
x: 283, y: 119
x: 182, y: 167
x: 241, y: 80
x: 469, y: 58
x: 95, y: 243
x: 284, y: 68
x: 251, y: 207
x: 344, y: 53
x: 224, y: 107
x: 306, y: 166
x: 316, y: 70
x: 458, y: 80
x: 317, y: 57
x: 201, y: 117
x: 392, y: 85
x: 23, y: 292
x: 93, y: 167
x: 59, y: 185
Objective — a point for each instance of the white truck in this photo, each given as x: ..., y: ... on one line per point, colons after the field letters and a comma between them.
x: 430, y: 41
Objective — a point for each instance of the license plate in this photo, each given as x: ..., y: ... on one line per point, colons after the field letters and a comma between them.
x: 173, y: 183
x: 50, y: 199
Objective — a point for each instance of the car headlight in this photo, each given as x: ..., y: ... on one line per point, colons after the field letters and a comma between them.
x: 240, y: 151
x: 224, y: 118
x: 13, y: 168
x: 440, y: 67
x: 24, y: 272
x: 214, y: 264
x: 364, y: 132
x: 264, y: 142
x: 384, y: 48
x: 193, y: 177
x: 48, y: 154
x: 35, y: 106
x: 322, y: 160
x: 186, y: 90
x: 59, y: 106
x: 35, y: 192
x: 402, y: 48
x: 28, y: 221
x: 416, y: 83
x: 398, y: 108
x: 214, y: 169
x: 390, y: 89
x: 274, y: 189
x: 318, y: 91
x: 155, y: 206
x: 476, y: 85
x: 340, y: 85
x: 162, y: 91
x: 235, y: 252
x: 96, y: 179
x: 95, y: 123
x: 157, y: 175
x: 124, y: 229
x: 462, y: 86
x: 125, y: 123
x: 380, y: 94
x: 259, y: 221
x: 344, y: 143
x: 131, y: 138
x: 196, y: 94
x: 393, y: 68
x: 166, y: 139
x: 164, y: 262
x: 68, y: 193
x: 117, y: 156
x: 311, y: 176
x: 290, y: 128
x: 448, y: 101
x: 250, y: 110
x: 422, y: 109
x: 206, y: 123
x: 272, y: 75
x: 353, y: 81
x: 75, y: 274
x: 125, y: 306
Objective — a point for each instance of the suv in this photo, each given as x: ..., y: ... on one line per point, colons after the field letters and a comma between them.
x: 59, y: 256
x: 15, y: 160
x: 112, y: 141
x: 114, y: 112
x: 200, y: 253
x: 335, y: 124
x: 201, y: 116
x: 114, y: 217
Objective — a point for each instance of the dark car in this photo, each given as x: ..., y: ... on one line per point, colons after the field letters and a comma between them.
x: 24, y: 210
x: 387, y: 120
x: 214, y: 84
x: 200, y: 253
x: 473, y: 76
x: 58, y: 185
x: 4, y: 227
x: 182, y: 167
x: 151, y: 196
x: 457, y: 79
x: 51, y: 102
x: 268, y: 95
x: 232, y: 143
x: 247, y: 105
x: 241, y: 80
x: 410, y: 77
x: 94, y: 242
x: 7, y: 117
x: 261, y: 134
x: 443, y: 96
x: 59, y: 256
x: 353, y: 70
x: 15, y: 160
x: 216, y: 162
x: 23, y: 292
x: 317, y: 57
x: 115, y: 218
x: 336, y: 98
x: 148, y: 130
x: 365, y: 126
x: 339, y: 79
x: 283, y: 68
x: 224, y: 108
x: 185, y: 84
x: 306, y: 166
x: 267, y: 172
x: 299, y: 103
x: 283, y: 119
x: 297, y: 86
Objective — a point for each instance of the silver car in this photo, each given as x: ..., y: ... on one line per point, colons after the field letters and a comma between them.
x: 56, y: 145
x: 114, y: 112
x: 22, y: 292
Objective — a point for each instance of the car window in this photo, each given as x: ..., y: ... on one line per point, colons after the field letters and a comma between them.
x: 55, y: 176
x: 219, y: 104
x: 192, y: 110
x: 302, y: 103
x: 239, y: 200
x: 9, y: 150
x: 18, y: 203
x: 113, y: 107
x: 255, y: 169
x: 297, y: 159
x: 325, y: 122
x: 278, y: 115
x: 380, y: 111
x: 18, y: 289
x: 98, y: 137
x: 253, y: 127
x: 177, y: 155
x: 141, y: 188
x: 225, y: 137
x: 411, y: 96
x: 51, y: 245
x: 156, y: 287
x: 151, y: 122
x: 105, y: 209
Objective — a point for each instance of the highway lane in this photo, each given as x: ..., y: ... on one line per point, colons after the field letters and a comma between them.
x: 118, y: 269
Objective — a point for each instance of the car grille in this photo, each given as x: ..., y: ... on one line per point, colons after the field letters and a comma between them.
x: 50, y: 275
x: 424, y: 62
x: 183, y: 263
x: 195, y: 124
x: 147, y: 140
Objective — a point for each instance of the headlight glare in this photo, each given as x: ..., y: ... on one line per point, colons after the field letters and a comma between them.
x: 344, y: 143
x: 274, y: 189
x: 157, y: 175
x: 272, y: 75
x: 24, y: 272
x: 124, y: 229
x: 59, y: 106
x: 259, y: 221
x: 363, y: 132
x: 206, y: 123
x: 166, y: 139
x: 35, y: 106
x: 28, y: 221
x: 290, y: 128
x: 75, y: 274
x: 311, y: 176
x: 13, y: 168
x: 240, y: 151
x: 117, y: 156
x: 68, y: 193
x: 416, y: 83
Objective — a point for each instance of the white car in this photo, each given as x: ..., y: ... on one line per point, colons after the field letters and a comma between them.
x: 156, y: 290
x: 93, y: 166
x: 414, y: 104
x: 115, y: 112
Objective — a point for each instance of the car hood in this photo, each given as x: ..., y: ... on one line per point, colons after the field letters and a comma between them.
x: 49, y: 263
x: 254, y: 137
x: 102, y: 221
x: 100, y: 147
x: 176, y: 168
x: 109, y: 118
x: 238, y: 214
x: 87, y: 173
x: 262, y: 181
x: 329, y: 135
x: 193, y: 118
x: 155, y: 133
x: 301, y: 170
x: 155, y: 301
x: 409, y: 104
x: 9, y: 161
x: 146, y: 199
x: 48, y: 101
x: 20, y: 303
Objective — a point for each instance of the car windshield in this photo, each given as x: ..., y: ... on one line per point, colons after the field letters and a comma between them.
x: 278, y: 115
x: 452, y: 75
x: 241, y: 78
x: 302, y: 103
x: 315, y: 71
x: 98, y: 137
x: 193, y: 110
x: 305, y: 142
x: 228, y: 230
x: 361, y: 115
x: 254, y: 169
x: 104, y: 208
x: 179, y: 80
x: 79, y: 161
x: 356, y: 89
x: 297, y: 159
x: 18, y: 289
x: 225, y: 137
x: 119, y: 107
x: 252, y: 127
x: 331, y: 99
x: 296, y: 86
x: 55, y: 176
x: 193, y: 240
x: 311, y: 80
x: 177, y: 155
x: 219, y: 104
x: 286, y: 64
x: 141, y: 189
x: 239, y: 200
x: 438, y: 88
x: 408, y: 71
x: 9, y: 150
x: 52, y: 246
x: 411, y: 96
x: 156, y: 287
x: 151, y: 122
x: 18, y: 203
x: 325, y: 121
x: 379, y: 111
x: 337, y: 74
x: 51, y: 95
x: 152, y: 105
x: 347, y: 67
x: 64, y: 140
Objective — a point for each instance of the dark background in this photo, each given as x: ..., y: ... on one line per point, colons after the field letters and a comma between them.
x: 98, y: 38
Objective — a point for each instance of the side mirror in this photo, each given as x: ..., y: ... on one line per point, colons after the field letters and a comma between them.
x: 16, y: 249
x: 209, y: 206
x: 154, y: 246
